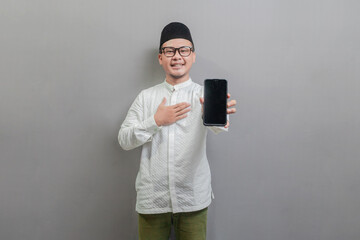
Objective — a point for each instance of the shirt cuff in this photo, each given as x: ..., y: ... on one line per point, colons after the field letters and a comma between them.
x: 151, y: 126
x: 218, y: 130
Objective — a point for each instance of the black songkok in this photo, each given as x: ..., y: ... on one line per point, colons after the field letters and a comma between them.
x: 175, y: 30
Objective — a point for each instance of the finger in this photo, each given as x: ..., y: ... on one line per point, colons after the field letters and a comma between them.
x: 231, y: 110
x: 202, y: 100
x: 227, y: 124
x: 183, y: 112
x: 181, y: 105
x: 231, y: 103
x: 181, y: 108
x: 180, y: 117
x: 163, y: 101
x: 228, y: 95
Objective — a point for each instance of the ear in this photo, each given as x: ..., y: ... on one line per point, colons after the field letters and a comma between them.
x: 160, y: 58
x: 194, y: 56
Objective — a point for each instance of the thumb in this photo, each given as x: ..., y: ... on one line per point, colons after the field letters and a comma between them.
x: 163, y: 101
x: 201, y: 100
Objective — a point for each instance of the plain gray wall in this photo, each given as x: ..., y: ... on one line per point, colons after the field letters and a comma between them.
x: 287, y: 170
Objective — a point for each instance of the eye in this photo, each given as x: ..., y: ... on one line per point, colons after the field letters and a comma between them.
x: 184, y: 50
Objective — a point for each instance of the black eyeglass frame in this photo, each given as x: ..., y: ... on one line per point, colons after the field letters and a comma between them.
x: 177, y: 49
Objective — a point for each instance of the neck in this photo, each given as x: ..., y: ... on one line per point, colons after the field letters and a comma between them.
x: 174, y: 81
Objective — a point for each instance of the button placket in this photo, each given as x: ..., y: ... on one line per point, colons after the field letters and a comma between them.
x: 173, y: 99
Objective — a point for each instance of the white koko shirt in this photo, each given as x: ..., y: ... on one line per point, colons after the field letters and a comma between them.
x: 174, y: 174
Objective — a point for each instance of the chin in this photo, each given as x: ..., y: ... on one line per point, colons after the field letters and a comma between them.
x: 177, y: 76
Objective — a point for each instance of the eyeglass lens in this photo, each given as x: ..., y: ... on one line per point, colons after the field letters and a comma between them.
x: 183, y: 51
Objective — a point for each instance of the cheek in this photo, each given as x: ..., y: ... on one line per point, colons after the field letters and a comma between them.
x: 165, y: 61
x: 189, y: 63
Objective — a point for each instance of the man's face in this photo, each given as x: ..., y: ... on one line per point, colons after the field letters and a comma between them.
x: 177, y: 67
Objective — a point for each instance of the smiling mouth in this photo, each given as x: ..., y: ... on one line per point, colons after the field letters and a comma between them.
x: 178, y: 65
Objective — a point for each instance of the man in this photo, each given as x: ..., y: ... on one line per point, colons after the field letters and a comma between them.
x: 174, y: 182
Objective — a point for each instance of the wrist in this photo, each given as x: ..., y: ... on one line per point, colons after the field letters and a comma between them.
x: 157, y: 121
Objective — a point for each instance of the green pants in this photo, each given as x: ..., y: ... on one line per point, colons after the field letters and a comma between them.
x: 187, y: 226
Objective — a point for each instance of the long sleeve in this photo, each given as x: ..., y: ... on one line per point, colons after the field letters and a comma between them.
x: 218, y: 130
x: 136, y: 128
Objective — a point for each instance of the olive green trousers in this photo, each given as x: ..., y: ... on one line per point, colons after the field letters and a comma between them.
x: 187, y: 226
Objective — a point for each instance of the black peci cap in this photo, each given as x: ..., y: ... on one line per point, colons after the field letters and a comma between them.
x: 175, y: 30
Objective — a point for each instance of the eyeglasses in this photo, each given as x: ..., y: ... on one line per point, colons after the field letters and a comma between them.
x: 171, y: 51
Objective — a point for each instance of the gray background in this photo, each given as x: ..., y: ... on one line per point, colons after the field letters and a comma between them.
x: 287, y: 170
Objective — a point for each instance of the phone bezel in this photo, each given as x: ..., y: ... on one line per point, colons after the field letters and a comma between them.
x: 204, y: 105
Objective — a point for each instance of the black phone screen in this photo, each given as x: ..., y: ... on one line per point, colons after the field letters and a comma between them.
x: 215, y: 100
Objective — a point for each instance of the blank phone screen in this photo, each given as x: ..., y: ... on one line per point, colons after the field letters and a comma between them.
x: 215, y: 100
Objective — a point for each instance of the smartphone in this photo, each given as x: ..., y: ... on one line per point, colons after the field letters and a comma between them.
x: 215, y: 101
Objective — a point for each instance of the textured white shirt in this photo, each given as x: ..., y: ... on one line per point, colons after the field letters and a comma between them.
x: 174, y: 174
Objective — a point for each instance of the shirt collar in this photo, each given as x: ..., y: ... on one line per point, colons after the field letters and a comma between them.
x: 177, y: 86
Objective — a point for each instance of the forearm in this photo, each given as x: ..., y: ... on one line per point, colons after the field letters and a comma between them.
x: 134, y: 134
